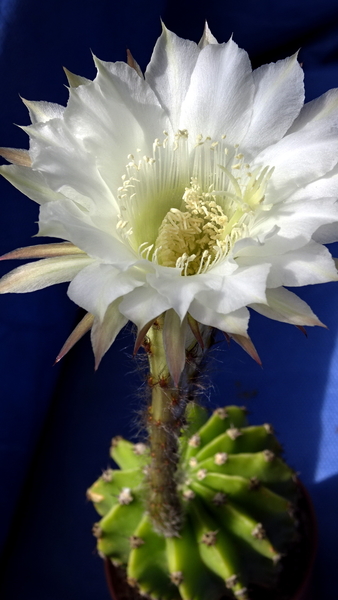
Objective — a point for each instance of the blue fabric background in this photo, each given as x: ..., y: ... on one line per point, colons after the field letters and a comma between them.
x: 56, y: 422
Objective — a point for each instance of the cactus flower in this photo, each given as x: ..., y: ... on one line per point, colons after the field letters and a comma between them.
x: 198, y: 190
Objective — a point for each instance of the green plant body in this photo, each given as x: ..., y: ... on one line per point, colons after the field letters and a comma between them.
x: 235, y: 495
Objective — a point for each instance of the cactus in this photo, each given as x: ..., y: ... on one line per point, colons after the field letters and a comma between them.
x: 236, y: 498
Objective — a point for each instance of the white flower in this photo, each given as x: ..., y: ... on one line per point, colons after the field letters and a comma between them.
x: 197, y: 191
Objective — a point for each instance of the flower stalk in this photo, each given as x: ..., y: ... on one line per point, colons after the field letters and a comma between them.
x: 165, y: 416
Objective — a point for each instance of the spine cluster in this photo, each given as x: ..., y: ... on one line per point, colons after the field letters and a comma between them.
x: 235, y: 499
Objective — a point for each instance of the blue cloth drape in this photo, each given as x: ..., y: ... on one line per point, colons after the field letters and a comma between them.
x: 56, y: 423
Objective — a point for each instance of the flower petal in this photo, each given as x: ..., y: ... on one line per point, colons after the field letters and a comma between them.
x: 81, y: 328
x: 133, y: 63
x: 43, y: 251
x: 246, y: 343
x: 97, y: 286
x: 75, y: 80
x: 142, y: 305
x: 322, y: 110
x: 30, y: 183
x: 43, y: 273
x: 40, y: 112
x: 286, y: 307
x: 219, y: 98
x: 18, y: 157
x: 279, y: 96
x: 169, y: 72
x: 104, y: 332
x: 307, y: 265
x: 179, y: 290
x: 141, y: 334
x: 227, y: 294
x: 235, y: 322
x: 309, y: 151
x: 65, y: 219
x: 295, y: 223
x: 207, y: 37
x: 193, y: 324
x: 324, y: 187
x: 63, y: 161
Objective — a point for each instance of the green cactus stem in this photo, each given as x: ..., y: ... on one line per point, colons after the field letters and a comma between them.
x: 236, y: 500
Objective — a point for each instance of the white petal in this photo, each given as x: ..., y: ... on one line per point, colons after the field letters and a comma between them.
x: 104, y: 332
x: 64, y: 219
x: 279, y: 96
x: 321, y: 188
x: 30, y: 183
x: 286, y: 307
x: 308, y: 265
x: 326, y: 234
x: 307, y: 153
x: 174, y: 341
x: 295, y: 223
x: 324, y: 187
x: 143, y: 305
x: 219, y: 99
x: 179, y: 290
x: 75, y: 80
x: 320, y: 110
x: 227, y: 294
x: 235, y: 322
x: 43, y: 273
x: 169, y: 72
x: 40, y: 112
x: 207, y: 37
x: 115, y: 115
x: 97, y: 286
x: 63, y: 161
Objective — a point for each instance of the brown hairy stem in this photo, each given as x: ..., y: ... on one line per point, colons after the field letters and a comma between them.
x: 164, y: 421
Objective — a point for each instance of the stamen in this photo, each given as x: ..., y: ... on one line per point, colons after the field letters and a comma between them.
x: 186, y: 208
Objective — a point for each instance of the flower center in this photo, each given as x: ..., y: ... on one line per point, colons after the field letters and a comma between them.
x: 194, y: 238
x: 188, y: 204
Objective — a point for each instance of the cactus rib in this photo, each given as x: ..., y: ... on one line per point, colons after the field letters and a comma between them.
x: 236, y: 497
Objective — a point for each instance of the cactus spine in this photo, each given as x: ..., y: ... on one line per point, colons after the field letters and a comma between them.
x: 235, y: 495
